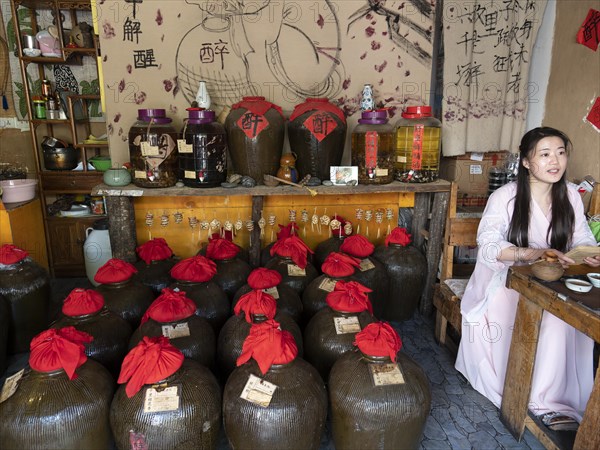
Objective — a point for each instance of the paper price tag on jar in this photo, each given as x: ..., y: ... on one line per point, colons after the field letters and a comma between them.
x: 148, y: 150
x: 176, y: 331
x: 10, y: 385
x: 157, y: 399
x: 386, y: 374
x: 258, y: 391
x: 366, y: 264
x: 327, y: 285
x: 184, y: 147
x: 295, y: 271
x: 345, y: 325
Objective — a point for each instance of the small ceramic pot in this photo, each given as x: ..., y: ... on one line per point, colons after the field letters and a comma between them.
x: 117, y: 177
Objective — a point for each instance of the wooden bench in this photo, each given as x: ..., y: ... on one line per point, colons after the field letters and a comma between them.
x: 459, y: 232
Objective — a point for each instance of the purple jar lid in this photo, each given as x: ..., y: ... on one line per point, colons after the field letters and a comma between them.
x: 157, y: 115
x: 374, y: 117
x: 200, y: 115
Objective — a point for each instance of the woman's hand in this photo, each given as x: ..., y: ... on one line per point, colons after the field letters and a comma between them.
x: 593, y: 261
x: 557, y: 256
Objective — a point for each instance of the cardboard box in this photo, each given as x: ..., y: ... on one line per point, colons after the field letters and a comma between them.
x: 470, y: 171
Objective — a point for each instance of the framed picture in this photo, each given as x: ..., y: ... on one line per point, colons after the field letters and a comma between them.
x: 343, y: 175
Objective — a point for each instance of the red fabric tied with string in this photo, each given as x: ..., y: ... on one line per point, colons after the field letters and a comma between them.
x: 341, y: 231
x: 268, y: 345
x: 287, y: 230
x: 318, y: 104
x: 114, y: 271
x: 257, y: 105
x: 11, y: 254
x: 349, y: 296
x: 170, y: 306
x: 81, y: 302
x: 378, y: 339
x: 292, y: 247
x: 398, y: 236
x: 197, y: 269
x: 151, y: 361
x: 339, y: 265
x: 219, y: 249
x: 256, y: 303
x: 59, y: 349
x: 155, y: 249
x: 357, y: 246
x: 263, y: 278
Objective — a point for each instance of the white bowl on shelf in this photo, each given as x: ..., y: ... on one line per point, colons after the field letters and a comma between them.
x: 14, y: 191
x: 76, y: 211
x: 32, y: 52
x: 578, y: 285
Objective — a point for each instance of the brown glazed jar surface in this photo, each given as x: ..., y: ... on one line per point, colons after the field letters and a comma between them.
x: 314, y: 297
x: 406, y: 268
x: 200, y: 345
x: 368, y: 416
x: 288, y: 300
x: 194, y: 425
x: 26, y: 287
x: 323, y: 345
x: 258, y: 152
x: 324, y: 248
x: 49, y: 411
x: 129, y: 299
x: 155, y: 275
x: 297, y: 282
x: 375, y: 277
x: 211, y: 302
x: 231, y: 275
x: 234, y: 333
x: 111, y: 335
x: 295, y: 417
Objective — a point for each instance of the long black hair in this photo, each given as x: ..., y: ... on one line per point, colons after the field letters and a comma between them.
x: 563, y: 217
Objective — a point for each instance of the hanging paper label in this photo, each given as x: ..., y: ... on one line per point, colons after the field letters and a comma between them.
x: 371, y: 148
x: 386, y: 374
x: 295, y: 271
x: 366, y: 264
x: 176, y: 331
x: 258, y: 391
x: 184, y: 147
x: 345, y: 325
x: 189, y: 174
x: 149, y: 150
x: 158, y: 399
x: 252, y: 124
x: 320, y: 124
x: 10, y: 385
x: 417, y: 147
x: 272, y: 291
x: 327, y: 285
x: 140, y: 174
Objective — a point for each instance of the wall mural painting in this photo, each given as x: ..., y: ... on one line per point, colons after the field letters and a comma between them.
x: 283, y: 50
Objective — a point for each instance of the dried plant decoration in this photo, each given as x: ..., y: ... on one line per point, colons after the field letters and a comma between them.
x: 378, y: 220
x: 314, y: 221
x: 359, y: 216
x: 261, y: 224
x: 348, y: 228
x: 368, y: 218
x: 178, y: 217
x: 204, y: 225
x: 292, y: 215
x: 272, y: 220
x: 164, y: 220
x: 149, y: 221
x: 250, y: 228
x: 334, y: 225
x: 304, y: 220
x: 215, y: 224
x: 389, y: 214
x: 324, y: 219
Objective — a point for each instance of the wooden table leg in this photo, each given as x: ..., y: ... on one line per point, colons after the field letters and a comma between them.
x: 519, y: 373
x: 588, y: 435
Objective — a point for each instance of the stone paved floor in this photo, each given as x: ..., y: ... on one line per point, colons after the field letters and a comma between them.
x: 460, y: 418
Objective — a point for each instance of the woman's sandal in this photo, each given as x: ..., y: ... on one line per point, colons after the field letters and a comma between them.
x: 559, y: 422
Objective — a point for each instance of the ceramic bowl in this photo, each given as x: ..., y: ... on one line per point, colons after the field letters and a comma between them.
x: 547, y: 271
x: 14, y: 191
x: 32, y: 52
x: 578, y: 285
x: 101, y: 163
x: 594, y: 279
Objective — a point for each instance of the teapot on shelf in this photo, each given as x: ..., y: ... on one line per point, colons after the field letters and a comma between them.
x: 287, y: 169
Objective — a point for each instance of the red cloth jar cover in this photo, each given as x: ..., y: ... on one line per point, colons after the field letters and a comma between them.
x: 263, y: 278
x: 341, y: 231
x: 398, y: 236
x: 255, y: 303
x: 268, y: 344
x: 151, y: 361
x: 114, y: 271
x: 319, y: 104
x: 11, y: 254
x: 378, y: 339
x: 170, y: 306
x: 155, y: 249
x: 287, y: 230
x: 198, y: 269
x: 339, y: 265
x: 292, y: 247
x: 81, y: 302
x: 349, y: 296
x: 256, y: 105
x: 219, y: 249
x: 59, y: 349
x: 357, y: 246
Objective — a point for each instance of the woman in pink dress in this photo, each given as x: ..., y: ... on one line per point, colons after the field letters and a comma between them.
x: 522, y: 220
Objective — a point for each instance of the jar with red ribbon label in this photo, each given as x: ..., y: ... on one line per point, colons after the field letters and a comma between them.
x: 418, y: 137
x: 373, y: 148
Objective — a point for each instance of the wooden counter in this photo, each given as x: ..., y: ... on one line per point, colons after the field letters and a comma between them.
x: 430, y: 206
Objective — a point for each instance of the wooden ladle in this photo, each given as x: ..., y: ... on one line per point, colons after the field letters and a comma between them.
x: 281, y: 180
